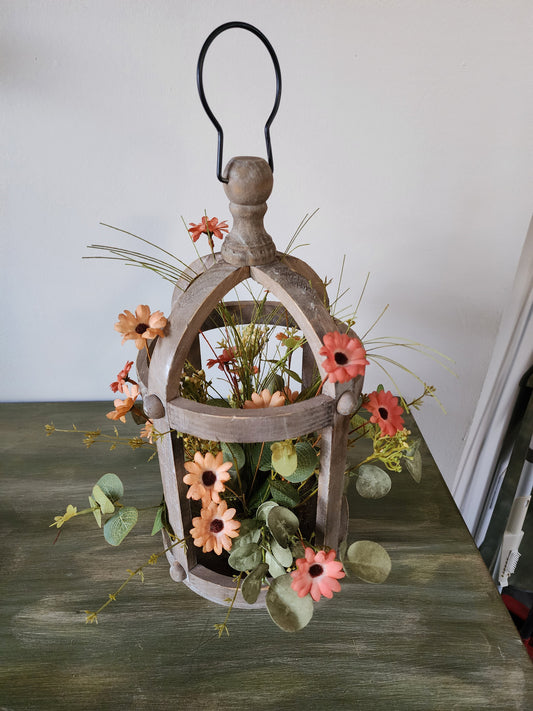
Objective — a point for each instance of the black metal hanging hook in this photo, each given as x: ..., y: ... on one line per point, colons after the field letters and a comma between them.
x: 199, y: 81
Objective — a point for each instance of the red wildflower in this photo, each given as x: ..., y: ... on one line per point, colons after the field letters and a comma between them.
x: 211, y: 228
x: 122, y: 378
x: 385, y: 412
x: 318, y: 574
x: 228, y: 355
x: 345, y: 357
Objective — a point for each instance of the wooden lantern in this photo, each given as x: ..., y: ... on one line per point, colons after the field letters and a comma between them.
x: 248, y: 252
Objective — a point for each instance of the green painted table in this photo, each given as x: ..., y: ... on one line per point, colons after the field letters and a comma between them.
x: 435, y: 636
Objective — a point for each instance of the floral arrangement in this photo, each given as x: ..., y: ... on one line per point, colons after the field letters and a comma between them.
x: 252, y: 504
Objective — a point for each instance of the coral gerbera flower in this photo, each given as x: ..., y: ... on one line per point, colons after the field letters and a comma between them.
x: 215, y: 527
x: 211, y: 228
x: 385, y: 412
x: 122, y: 377
x: 141, y: 326
x: 124, y: 406
x: 265, y: 399
x: 206, y: 477
x: 345, y: 357
x: 318, y: 574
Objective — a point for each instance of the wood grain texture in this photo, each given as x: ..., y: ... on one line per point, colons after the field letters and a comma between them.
x: 222, y: 424
x: 434, y: 637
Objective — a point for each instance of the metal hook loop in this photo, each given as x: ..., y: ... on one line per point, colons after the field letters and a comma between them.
x: 199, y: 81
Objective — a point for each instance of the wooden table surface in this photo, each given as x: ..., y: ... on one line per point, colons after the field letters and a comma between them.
x: 435, y: 636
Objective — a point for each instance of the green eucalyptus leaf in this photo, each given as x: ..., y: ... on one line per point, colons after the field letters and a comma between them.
x: 105, y: 504
x: 249, y: 532
x: 283, y: 524
x: 275, y: 569
x: 264, y: 510
x: 362, y: 425
x: 297, y: 549
x: 372, y: 482
x: 111, y: 486
x: 281, y: 554
x: 234, y: 453
x: 158, y: 521
x: 368, y: 561
x: 287, y: 610
x: 251, y: 586
x: 307, y: 462
x: 284, y: 457
x: 245, y: 557
x: 260, y: 452
x: 414, y: 466
x: 284, y: 493
x: 120, y: 524
x: 96, y: 511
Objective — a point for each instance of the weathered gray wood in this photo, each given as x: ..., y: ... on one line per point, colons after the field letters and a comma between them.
x: 434, y: 636
x: 221, y: 424
x: 248, y: 188
x: 242, y: 312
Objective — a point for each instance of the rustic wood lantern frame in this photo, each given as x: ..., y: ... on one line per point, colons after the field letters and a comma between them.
x: 248, y: 252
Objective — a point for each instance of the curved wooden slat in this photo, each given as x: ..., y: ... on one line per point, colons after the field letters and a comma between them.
x: 221, y: 424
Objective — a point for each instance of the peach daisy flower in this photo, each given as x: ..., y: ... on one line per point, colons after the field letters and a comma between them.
x: 206, y: 477
x: 124, y: 406
x: 122, y: 377
x: 345, y: 357
x: 265, y: 399
x: 386, y: 412
x: 147, y: 431
x: 291, y: 395
x: 141, y: 326
x: 215, y: 527
x: 318, y: 574
x: 211, y: 228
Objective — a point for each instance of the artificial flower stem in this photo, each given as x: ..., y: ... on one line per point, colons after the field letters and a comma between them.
x: 223, y: 627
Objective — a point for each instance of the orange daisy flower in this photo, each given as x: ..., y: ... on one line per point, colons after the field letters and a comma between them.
x: 345, y: 357
x: 386, y: 412
x: 318, y: 574
x: 211, y: 228
x: 265, y: 399
x: 215, y: 527
x: 141, y: 326
x: 124, y: 406
x: 206, y: 477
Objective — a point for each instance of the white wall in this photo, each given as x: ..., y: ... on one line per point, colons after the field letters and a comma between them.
x: 407, y: 123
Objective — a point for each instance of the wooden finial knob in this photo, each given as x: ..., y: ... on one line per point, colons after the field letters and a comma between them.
x: 249, y: 185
